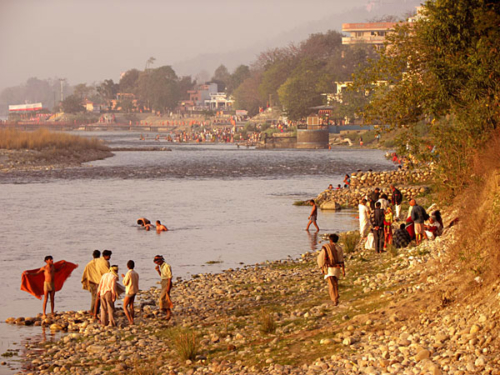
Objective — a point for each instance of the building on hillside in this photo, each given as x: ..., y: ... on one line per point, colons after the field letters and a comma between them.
x: 369, y: 33
x: 122, y: 99
x: 201, y: 93
x: 219, y: 101
x: 91, y: 106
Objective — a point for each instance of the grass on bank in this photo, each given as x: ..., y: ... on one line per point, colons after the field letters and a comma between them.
x: 43, y: 139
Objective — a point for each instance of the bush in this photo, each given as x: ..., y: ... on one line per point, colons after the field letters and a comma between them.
x: 185, y: 343
x: 44, y: 139
x: 350, y: 241
x: 267, y: 323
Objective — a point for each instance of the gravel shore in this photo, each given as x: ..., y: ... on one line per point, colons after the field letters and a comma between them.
x: 397, y: 316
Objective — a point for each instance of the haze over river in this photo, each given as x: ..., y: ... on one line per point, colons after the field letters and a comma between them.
x: 220, y: 203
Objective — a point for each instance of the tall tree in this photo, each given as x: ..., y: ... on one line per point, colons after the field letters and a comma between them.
x: 72, y: 104
x: 128, y: 82
x: 221, y: 77
x: 442, y: 70
x: 301, y: 91
x: 240, y: 74
x: 108, y: 89
x: 247, y: 95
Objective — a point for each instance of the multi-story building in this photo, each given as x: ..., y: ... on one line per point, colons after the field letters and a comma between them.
x: 369, y: 33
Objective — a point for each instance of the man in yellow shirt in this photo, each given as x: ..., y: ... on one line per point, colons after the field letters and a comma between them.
x: 165, y: 272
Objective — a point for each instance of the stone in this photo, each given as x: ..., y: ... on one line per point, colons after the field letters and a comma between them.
x: 422, y: 354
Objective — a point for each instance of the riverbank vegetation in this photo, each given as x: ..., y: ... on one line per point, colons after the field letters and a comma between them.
x: 45, y: 149
x: 43, y: 139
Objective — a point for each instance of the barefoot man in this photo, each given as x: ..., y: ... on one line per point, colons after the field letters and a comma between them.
x: 165, y: 273
x: 49, y: 289
x: 314, y: 215
x: 131, y: 282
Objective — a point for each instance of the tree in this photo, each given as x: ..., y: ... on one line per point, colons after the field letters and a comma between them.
x: 247, y: 95
x: 82, y: 90
x: 275, y: 75
x: 442, y: 70
x: 128, y: 82
x: 301, y: 90
x: 159, y: 88
x: 108, y: 89
x: 72, y: 104
x: 221, y: 77
x: 240, y: 74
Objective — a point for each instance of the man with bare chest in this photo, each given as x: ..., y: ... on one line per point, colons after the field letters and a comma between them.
x: 49, y: 289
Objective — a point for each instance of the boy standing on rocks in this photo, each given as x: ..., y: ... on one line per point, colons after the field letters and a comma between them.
x: 131, y: 282
x: 331, y: 260
x: 165, y: 272
x: 49, y: 289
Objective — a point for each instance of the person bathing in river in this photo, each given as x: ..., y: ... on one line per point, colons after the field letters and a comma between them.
x: 313, y: 216
x: 145, y: 223
x: 160, y: 227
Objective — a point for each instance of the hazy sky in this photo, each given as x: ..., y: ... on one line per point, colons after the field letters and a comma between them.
x: 92, y: 40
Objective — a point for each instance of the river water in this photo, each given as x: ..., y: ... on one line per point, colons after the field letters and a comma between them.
x: 225, y: 207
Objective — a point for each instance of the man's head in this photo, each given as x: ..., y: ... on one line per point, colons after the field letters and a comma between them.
x: 363, y: 201
x: 413, y: 202
x: 311, y: 202
x: 130, y: 264
x: 158, y: 259
x: 48, y: 259
x: 378, y: 204
x: 392, y: 187
x: 377, y: 190
x: 114, y: 269
x: 158, y: 222
x: 96, y: 254
x: 333, y: 238
x: 402, y: 226
x: 106, y: 254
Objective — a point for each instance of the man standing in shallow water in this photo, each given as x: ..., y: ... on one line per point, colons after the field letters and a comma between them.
x: 314, y: 215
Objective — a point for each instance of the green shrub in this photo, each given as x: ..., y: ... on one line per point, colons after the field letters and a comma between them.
x: 185, y: 343
x: 350, y: 241
x: 267, y: 323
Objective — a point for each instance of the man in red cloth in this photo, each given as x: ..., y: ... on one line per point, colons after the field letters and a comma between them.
x: 54, y: 276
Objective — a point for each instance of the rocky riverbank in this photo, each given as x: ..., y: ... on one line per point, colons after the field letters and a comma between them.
x: 33, y: 160
x: 411, y: 184
x: 397, y: 316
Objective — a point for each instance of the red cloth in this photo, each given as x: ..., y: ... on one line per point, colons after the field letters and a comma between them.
x: 33, y: 284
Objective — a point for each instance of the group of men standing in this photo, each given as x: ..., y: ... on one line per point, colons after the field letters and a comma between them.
x: 101, y: 280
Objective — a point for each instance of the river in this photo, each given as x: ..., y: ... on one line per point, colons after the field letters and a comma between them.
x: 225, y: 207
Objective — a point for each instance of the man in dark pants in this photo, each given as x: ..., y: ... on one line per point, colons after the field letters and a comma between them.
x: 397, y: 199
x: 374, y: 197
x: 377, y: 221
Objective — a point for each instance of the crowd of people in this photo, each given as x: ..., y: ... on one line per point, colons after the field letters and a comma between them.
x: 377, y: 215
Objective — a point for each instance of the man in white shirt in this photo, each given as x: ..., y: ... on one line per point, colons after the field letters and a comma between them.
x: 107, y: 294
x: 364, y: 218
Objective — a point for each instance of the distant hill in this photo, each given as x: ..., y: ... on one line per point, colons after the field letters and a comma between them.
x: 334, y: 21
